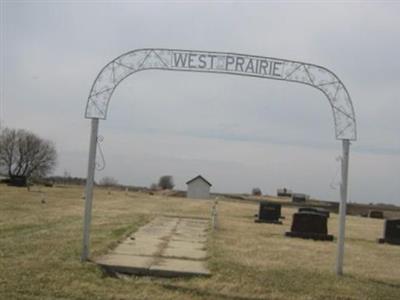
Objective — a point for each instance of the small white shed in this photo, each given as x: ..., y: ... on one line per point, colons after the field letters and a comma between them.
x: 198, y: 188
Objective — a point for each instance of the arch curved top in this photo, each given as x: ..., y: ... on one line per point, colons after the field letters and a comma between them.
x: 227, y: 63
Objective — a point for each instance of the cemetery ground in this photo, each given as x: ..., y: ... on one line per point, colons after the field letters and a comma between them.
x: 40, y: 246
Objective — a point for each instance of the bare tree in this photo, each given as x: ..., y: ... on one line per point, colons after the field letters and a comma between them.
x: 108, y: 181
x: 166, y: 182
x: 24, y: 155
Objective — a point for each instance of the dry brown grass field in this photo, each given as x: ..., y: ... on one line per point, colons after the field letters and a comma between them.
x: 40, y: 246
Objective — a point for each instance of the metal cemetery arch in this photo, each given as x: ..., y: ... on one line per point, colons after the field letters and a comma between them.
x: 226, y: 63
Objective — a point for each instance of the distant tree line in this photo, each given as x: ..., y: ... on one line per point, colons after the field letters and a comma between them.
x: 27, y: 158
x: 66, y: 180
x: 109, y: 181
x: 166, y: 182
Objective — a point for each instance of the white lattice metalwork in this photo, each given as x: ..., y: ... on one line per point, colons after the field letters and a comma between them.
x: 231, y: 63
x: 228, y: 63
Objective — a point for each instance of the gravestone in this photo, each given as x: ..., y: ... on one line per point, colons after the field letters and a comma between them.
x: 310, y: 225
x: 269, y: 213
x: 316, y: 210
x: 391, y: 232
x: 18, y: 181
x: 375, y: 214
x: 284, y: 192
x: 298, y: 197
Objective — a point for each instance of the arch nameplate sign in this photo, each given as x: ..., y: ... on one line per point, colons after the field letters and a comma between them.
x: 134, y: 61
x: 227, y: 63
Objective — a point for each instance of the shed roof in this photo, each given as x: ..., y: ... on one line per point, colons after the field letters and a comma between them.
x: 199, y: 177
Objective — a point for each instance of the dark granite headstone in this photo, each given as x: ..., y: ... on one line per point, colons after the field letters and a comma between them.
x: 19, y: 181
x: 284, y: 192
x: 375, y: 214
x: 316, y: 210
x: 310, y: 225
x: 391, y: 232
x: 269, y: 213
x: 297, y: 197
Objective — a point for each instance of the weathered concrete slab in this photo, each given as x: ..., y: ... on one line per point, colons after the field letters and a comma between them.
x: 138, y: 248
x: 120, y: 263
x: 185, y: 250
x: 167, y: 246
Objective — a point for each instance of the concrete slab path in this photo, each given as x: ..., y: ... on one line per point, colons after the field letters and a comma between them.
x: 167, y: 247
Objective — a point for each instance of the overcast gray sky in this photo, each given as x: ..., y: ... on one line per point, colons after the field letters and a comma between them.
x: 238, y: 132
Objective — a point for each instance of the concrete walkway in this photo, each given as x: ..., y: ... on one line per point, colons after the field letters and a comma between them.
x: 167, y: 246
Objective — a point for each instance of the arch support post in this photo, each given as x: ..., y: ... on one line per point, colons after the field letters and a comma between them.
x: 342, y: 207
x: 89, y: 189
